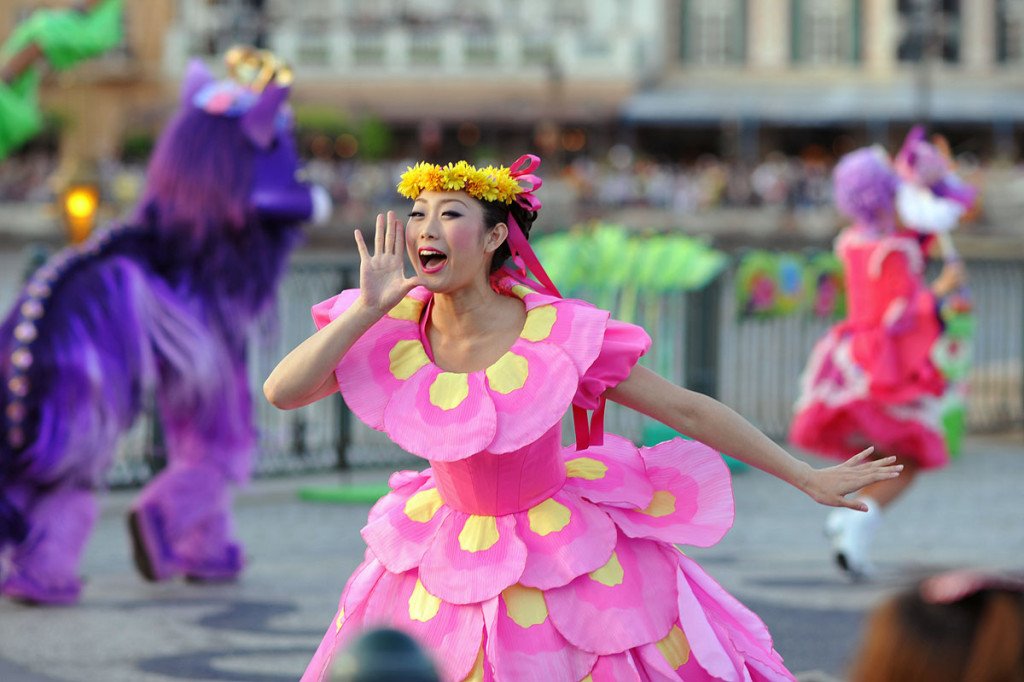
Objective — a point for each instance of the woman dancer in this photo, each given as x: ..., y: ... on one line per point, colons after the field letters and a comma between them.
x: 512, y: 557
x: 871, y: 379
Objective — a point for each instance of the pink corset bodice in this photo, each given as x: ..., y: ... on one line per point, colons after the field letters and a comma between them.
x: 494, y: 485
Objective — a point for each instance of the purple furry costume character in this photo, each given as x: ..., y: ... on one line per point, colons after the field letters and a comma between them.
x: 158, y: 306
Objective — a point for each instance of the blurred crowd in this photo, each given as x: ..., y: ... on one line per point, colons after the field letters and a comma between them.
x: 706, y: 183
x: 618, y: 180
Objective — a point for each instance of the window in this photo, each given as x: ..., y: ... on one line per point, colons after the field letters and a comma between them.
x: 425, y: 48
x: 368, y: 48
x: 713, y: 32
x: 929, y: 29
x: 1010, y: 31
x: 826, y: 31
x: 481, y: 49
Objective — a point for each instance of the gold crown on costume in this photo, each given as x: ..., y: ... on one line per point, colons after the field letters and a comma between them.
x: 255, y: 69
x: 486, y: 184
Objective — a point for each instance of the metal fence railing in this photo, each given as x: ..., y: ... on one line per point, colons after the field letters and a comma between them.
x: 700, y: 341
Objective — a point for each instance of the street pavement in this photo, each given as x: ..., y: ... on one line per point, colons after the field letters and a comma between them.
x: 265, y: 627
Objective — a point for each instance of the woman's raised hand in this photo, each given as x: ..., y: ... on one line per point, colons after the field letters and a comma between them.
x: 831, y: 485
x: 382, y: 280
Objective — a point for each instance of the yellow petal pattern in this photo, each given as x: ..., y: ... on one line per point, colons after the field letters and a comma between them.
x: 422, y: 605
x: 610, y: 574
x: 539, y: 322
x: 521, y: 291
x: 477, y: 673
x: 422, y: 506
x: 548, y: 517
x: 407, y: 357
x: 587, y: 468
x: 479, y: 533
x: 508, y: 373
x: 675, y: 648
x: 663, y: 504
x: 449, y: 390
x: 525, y: 605
x: 339, y: 620
x: 407, y: 309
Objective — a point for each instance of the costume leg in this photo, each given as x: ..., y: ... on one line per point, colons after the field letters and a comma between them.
x: 182, y: 522
x: 43, y: 569
x: 181, y: 525
x: 851, y: 532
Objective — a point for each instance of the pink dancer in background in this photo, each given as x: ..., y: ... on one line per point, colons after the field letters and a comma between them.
x: 513, y: 557
x: 872, y: 379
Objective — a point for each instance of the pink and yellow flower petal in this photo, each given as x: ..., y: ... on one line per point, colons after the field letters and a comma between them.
x: 524, y: 375
x: 574, y: 331
x: 612, y: 473
x: 347, y: 622
x: 392, y: 354
x: 403, y: 484
x: 473, y: 558
x: 524, y: 645
x: 400, y: 537
x: 615, y: 668
x: 725, y: 636
x: 571, y: 325
x: 692, y: 502
x: 565, y: 537
x: 441, y: 415
x: 621, y: 605
x: 404, y: 603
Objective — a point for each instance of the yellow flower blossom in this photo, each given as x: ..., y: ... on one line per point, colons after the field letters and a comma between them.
x: 486, y: 184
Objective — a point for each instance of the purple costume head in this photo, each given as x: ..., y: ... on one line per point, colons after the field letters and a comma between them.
x: 864, y: 184
x: 923, y: 163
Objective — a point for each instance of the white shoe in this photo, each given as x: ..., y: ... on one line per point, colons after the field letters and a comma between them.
x: 851, y: 532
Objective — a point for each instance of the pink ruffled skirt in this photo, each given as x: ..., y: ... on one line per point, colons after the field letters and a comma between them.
x: 837, y: 416
x: 586, y: 584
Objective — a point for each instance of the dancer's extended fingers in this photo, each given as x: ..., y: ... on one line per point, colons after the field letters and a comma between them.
x: 861, y: 456
x: 399, y: 237
x: 378, y: 239
x: 389, y: 234
x: 361, y: 245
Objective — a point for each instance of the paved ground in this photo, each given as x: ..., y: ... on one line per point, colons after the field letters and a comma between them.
x: 265, y: 627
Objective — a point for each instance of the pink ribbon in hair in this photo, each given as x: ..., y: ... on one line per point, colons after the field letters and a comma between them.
x: 522, y: 255
x: 588, y: 432
x: 522, y: 171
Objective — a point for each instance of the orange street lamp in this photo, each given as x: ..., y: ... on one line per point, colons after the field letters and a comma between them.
x: 79, y: 205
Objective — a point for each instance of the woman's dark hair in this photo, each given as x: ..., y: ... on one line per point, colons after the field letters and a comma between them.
x: 497, y: 212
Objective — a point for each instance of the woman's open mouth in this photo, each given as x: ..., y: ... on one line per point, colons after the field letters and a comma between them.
x: 432, y: 260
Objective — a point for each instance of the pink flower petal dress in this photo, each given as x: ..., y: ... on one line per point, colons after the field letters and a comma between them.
x: 513, y: 558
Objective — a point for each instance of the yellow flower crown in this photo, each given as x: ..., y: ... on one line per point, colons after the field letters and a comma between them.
x: 486, y: 184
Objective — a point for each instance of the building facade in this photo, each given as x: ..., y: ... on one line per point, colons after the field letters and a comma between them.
x: 677, y: 78
x: 777, y: 74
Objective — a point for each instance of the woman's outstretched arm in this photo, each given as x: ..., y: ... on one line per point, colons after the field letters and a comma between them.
x: 306, y: 374
x: 718, y: 426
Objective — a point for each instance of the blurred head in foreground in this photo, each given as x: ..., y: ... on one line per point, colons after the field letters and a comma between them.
x: 963, y: 626
x: 383, y: 655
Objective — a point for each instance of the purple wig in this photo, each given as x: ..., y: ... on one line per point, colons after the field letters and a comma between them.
x: 864, y: 184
